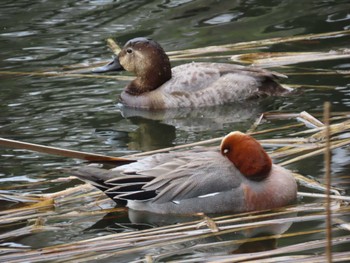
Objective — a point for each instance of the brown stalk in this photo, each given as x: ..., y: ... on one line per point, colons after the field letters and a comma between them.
x: 62, y: 152
x: 327, y: 160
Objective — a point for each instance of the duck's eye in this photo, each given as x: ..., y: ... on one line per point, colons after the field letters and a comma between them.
x: 129, y: 50
x: 226, y: 151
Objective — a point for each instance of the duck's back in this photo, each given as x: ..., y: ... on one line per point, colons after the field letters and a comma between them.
x: 191, y: 77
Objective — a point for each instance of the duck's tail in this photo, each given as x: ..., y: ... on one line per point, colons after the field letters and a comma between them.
x: 94, y: 176
x: 270, y: 86
x: 120, y: 188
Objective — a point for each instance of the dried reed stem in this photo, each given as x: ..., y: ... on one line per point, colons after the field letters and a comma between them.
x: 64, y: 74
x: 327, y: 160
x: 113, y: 46
x: 60, y: 151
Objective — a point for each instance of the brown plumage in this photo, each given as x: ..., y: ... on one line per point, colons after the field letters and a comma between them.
x: 157, y: 86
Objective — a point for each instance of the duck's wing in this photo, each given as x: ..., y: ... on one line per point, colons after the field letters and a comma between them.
x: 166, y: 179
x: 203, y: 176
x: 204, y: 84
x: 130, y: 178
x: 183, y: 175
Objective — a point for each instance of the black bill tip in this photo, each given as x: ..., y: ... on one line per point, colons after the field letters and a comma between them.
x: 114, y: 65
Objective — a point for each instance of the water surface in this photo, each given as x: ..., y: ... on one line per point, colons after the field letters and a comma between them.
x: 82, y: 113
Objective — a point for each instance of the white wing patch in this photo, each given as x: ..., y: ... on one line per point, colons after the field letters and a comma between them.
x: 209, y: 195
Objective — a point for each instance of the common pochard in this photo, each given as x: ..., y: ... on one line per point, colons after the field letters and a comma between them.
x: 237, y: 177
x: 158, y: 86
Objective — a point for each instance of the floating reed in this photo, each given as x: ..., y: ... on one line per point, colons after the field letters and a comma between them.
x: 268, y: 59
x: 261, y: 59
x: 327, y: 164
x: 162, y: 243
x: 62, y: 152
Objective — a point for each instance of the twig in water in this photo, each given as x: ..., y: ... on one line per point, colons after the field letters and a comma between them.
x: 62, y: 152
x: 327, y: 162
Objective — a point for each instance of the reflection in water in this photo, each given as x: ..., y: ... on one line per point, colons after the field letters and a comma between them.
x: 200, y: 119
x: 155, y: 220
x: 232, y: 242
x: 150, y: 135
x: 157, y: 129
x: 257, y: 245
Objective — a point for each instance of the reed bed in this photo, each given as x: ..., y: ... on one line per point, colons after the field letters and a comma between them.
x: 204, y: 233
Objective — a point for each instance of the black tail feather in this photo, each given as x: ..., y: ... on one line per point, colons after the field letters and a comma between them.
x: 120, y: 188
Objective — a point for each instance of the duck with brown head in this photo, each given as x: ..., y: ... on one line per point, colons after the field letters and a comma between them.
x: 148, y: 61
x: 247, y: 155
x: 238, y: 177
x: 158, y: 86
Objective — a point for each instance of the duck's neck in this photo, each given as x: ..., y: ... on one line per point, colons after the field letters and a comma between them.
x: 150, y: 79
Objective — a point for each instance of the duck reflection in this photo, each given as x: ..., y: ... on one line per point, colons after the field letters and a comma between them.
x: 150, y: 135
x: 257, y: 238
x: 243, y: 240
x: 144, y: 130
x: 199, y: 119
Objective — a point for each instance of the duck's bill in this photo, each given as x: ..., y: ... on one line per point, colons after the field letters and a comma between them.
x: 114, y: 65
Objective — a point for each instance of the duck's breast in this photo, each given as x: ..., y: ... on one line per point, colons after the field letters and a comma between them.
x: 277, y: 190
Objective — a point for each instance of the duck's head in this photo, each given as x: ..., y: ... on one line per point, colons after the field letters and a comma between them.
x: 247, y: 155
x: 147, y: 59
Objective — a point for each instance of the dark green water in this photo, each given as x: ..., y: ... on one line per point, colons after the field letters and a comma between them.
x: 82, y: 113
